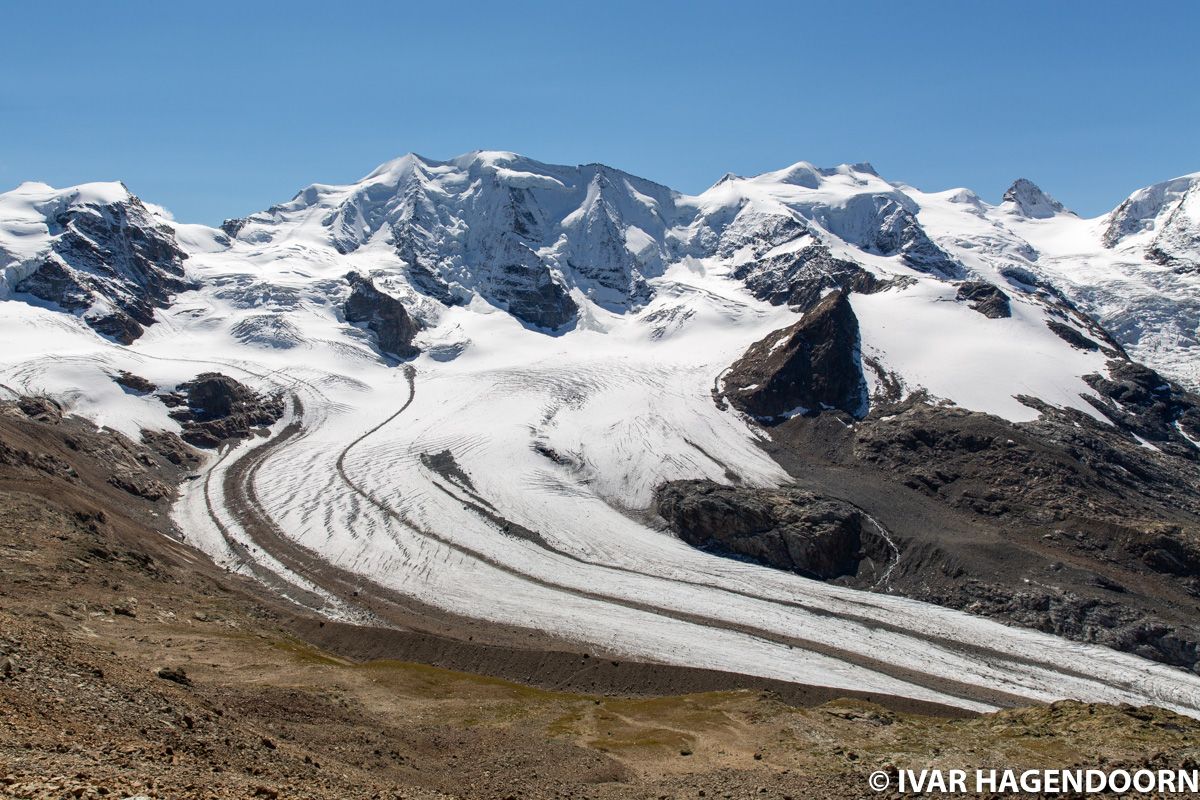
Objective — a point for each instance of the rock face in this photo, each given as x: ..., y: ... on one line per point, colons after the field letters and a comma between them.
x: 806, y: 367
x: 529, y: 291
x: 784, y: 528
x: 800, y: 279
x: 986, y: 298
x: 383, y: 315
x: 113, y: 263
x: 1139, y: 400
x: 1072, y: 336
x: 897, y: 232
x: 213, y: 408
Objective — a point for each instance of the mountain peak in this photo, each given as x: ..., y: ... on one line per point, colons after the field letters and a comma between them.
x: 1028, y: 200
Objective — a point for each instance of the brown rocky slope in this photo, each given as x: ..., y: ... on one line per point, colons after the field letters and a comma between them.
x: 131, y: 666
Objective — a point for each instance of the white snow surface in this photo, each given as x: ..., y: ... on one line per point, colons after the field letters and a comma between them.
x: 26, y: 216
x: 622, y: 401
x: 1104, y: 265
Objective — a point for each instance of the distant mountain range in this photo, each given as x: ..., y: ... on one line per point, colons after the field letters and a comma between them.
x: 671, y: 427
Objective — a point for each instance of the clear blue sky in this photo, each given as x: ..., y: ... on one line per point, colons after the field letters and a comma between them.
x: 219, y: 109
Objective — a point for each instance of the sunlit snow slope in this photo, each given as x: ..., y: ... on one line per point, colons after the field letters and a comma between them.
x: 576, y: 323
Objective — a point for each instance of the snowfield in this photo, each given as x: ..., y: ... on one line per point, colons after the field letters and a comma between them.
x: 507, y: 473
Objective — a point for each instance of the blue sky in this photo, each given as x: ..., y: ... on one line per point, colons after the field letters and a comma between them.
x: 222, y: 109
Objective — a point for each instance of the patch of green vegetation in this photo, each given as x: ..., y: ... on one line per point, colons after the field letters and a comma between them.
x: 645, y: 739
x: 449, y: 682
x: 304, y: 652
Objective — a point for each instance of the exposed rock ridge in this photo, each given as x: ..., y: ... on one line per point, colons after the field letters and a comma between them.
x: 213, y: 408
x: 812, y: 365
x: 113, y: 264
x: 383, y: 315
x: 801, y: 278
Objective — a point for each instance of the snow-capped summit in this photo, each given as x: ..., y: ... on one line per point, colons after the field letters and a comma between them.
x: 95, y: 250
x: 1025, y: 198
x: 520, y: 233
x: 1164, y: 218
x: 846, y: 205
x: 556, y: 246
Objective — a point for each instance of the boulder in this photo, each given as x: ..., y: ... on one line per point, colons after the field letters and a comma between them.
x: 784, y: 528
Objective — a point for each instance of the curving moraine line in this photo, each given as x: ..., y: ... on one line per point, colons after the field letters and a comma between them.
x: 396, y: 608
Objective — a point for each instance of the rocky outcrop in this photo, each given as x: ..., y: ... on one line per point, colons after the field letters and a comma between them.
x: 525, y: 286
x: 807, y: 367
x: 896, y: 231
x: 170, y: 446
x: 1065, y: 524
x: 40, y: 408
x: 383, y: 315
x: 113, y: 264
x: 801, y: 279
x: 135, y: 384
x: 986, y: 298
x: 214, y: 408
x: 784, y: 528
x: 1072, y: 336
x: 232, y: 227
x: 1139, y: 400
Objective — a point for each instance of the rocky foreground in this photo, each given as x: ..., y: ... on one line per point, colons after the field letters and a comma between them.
x: 129, y: 666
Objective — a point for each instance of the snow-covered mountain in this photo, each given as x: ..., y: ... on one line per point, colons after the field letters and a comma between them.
x: 1136, y: 269
x: 542, y: 241
x: 95, y: 250
x: 494, y: 365
x: 514, y: 231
